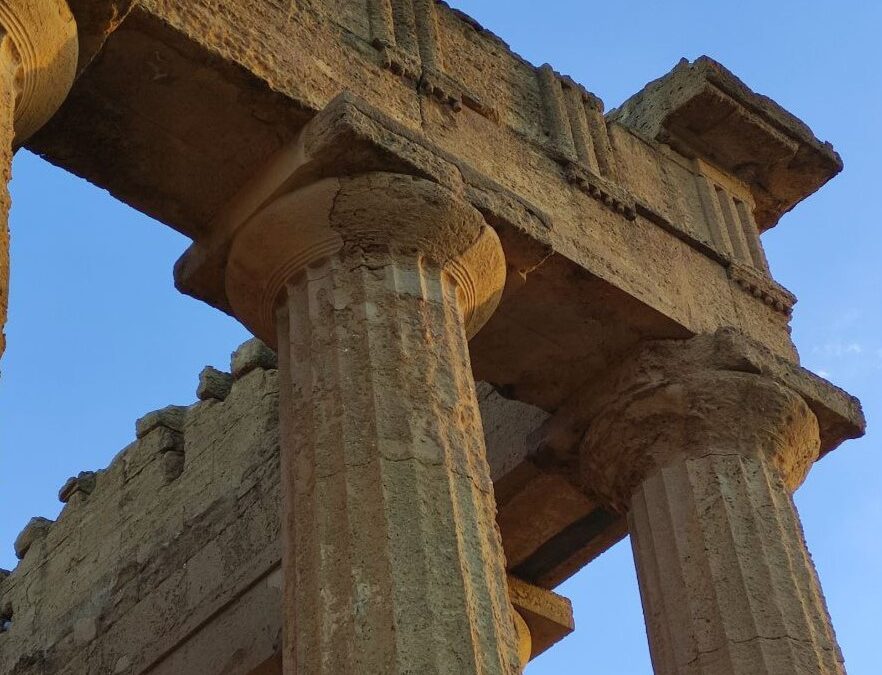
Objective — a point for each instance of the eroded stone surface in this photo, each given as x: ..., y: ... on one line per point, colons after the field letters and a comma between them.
x: 38, y: 55
x: 82, y: 484
x: 213, y: 384
x: 703, y: 110
x: 171, y: 417
x: 702, y: 452
x: 250, y: 355
x: 372, y: 283
x: 204, y: 549
x: 125, y: 579
x: 35, y: 530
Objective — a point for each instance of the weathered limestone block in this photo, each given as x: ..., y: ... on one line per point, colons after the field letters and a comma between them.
x: 547, y: 617
x: 388, y: 504
x: 79, y: 486
x: 250, y: 355
x: 36, y: 529
x: 702, y: 453
x: 702, y: 110
x: 213, y: 384
x: 171, y: 417
x: 168, y: 578
x: 168, y: 426
x: 38, y: 57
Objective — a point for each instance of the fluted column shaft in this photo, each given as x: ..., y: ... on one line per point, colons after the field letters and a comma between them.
x: 725, y: 576
x: 392, y: 560
x: 703, y: 460
x: 397, y: 564
x: 38, y: 57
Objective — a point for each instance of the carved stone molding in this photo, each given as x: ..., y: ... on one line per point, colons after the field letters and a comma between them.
x: 762, y: 288
x: 375, y: 211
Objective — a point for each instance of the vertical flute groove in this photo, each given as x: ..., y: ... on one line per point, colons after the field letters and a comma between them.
x: 381, y: 22
x: 393, y: 497
x: 557, y: 119
x: 724, y: 573
x: 405, y: 28
x: 427, y: 33
x: 582, y: 139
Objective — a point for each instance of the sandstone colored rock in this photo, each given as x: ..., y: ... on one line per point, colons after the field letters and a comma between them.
x: 172, y: 464
x: 703, y: 109
x: 82, y: 484
x: 213, y: 384
x: 250, y: 355
x: 547, y: 617
x: 171, y: 417
x: 703, y: 453
x: 358, y: 276
x: 36, y: 529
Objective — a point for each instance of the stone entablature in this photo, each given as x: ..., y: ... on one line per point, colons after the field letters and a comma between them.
x: 591, y: 188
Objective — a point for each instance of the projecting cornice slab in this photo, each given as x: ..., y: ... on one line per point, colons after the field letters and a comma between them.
x: 702, y: 110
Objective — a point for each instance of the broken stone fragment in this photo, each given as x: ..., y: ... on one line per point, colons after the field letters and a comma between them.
x: 250, y: 355
x: 83, y: 483
x: 35, y: 530
x: 213, y: 384
x: 171, y: 417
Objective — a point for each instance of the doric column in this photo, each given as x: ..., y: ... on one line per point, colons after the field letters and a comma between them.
x: 391, y: 555
x: 703, y: 454
x: 38, y: 58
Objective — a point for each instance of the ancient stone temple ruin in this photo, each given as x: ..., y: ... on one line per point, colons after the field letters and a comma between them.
x: 499, y: 330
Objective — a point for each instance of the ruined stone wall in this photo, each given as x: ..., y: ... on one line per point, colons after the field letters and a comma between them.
x: 182, y: 526
x: 168, y: 560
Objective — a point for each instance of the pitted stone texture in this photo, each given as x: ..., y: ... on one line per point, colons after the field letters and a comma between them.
x: 172, y: 465
x: 7, y: 132
x: 167, y: 578
x: 703, y: 453
x: 83, y: 484
x: 389, y: 507
x: 693, y: 415
x: 213, y: 384
x: 171, y: 417
x: 250, y: 355
x: 702, y: 109
x: 43, y: 36
x: 362, y: 217
x: 727, y: 583
x: 36, y: 529
x: 687, y: 398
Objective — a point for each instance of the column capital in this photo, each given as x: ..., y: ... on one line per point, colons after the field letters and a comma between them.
x: 688, y: 399
x: 40, y: 48
x: 370, y: 220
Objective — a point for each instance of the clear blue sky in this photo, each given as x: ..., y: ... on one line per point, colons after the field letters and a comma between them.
x: 98, y: 335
